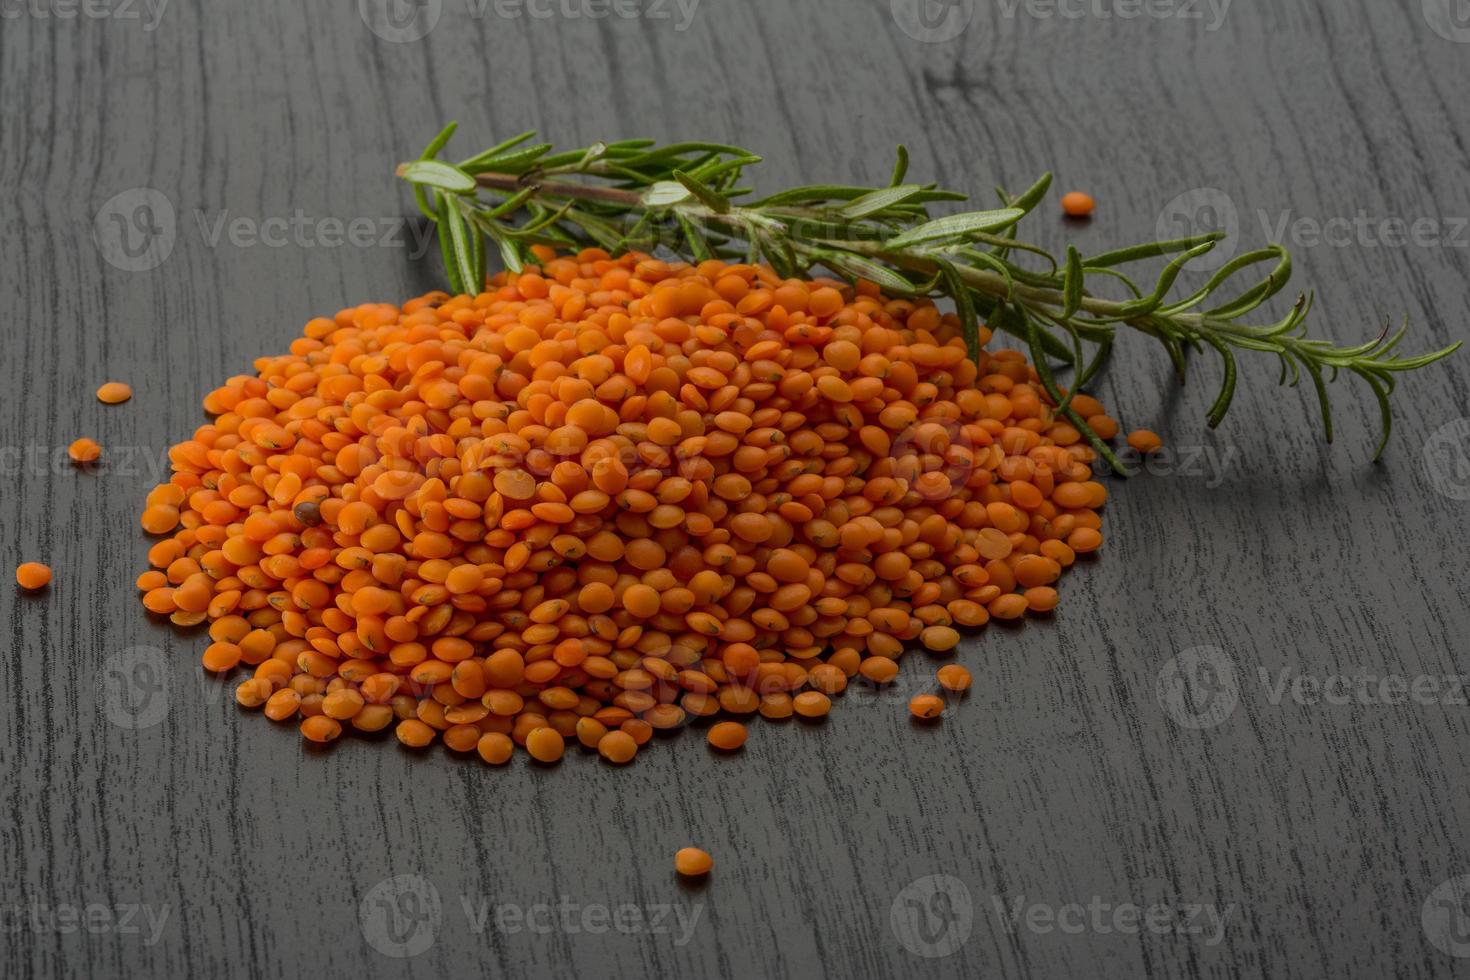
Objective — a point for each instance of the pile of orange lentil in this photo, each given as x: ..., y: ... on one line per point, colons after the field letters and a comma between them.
x: 610, y: 496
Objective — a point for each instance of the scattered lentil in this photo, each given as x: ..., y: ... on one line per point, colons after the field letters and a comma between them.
x: 1076, y: 204
x: 727, y: 735
x: 953, y: 677
x: 114, y: 393
x: 926, y: 706
x: 84, y: 451
x: 693, y: 862
x: 1144, y: 440
x: 33, y: 575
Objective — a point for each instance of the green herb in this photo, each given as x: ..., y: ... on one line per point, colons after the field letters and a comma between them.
x: 686, y: 197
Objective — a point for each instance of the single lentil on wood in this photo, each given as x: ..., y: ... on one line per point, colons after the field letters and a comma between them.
x: 84, y: 451
x: 693, y: 862
x: 608, y: 496
x: 114, y: 392
x: 33, y: 575
x: 1077, y: 204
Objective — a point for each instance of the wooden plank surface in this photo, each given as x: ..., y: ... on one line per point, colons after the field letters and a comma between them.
x: 1155, y: 743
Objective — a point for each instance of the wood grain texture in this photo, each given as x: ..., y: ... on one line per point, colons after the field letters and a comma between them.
x: 1062, y: 778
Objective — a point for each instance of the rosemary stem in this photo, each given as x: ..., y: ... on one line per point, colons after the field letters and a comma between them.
x: 985, y: 280
x: 511, y: 183
x: 559, y: 188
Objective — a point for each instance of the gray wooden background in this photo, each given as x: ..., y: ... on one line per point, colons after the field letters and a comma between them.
x: 1146, y: 784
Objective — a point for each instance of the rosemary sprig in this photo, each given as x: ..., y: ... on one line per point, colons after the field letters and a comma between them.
x: 686, y: 197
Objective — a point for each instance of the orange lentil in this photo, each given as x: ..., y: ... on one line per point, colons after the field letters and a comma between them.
x: 693, y: 862
x: 1076, y: 204
x: 590, y: 731
x: 84, y: 451
x: 939, y: 638
x: 33, y: 575
x: 1084, y: 539
x: 282, y: 704
x: 320, y: 728
x: 727, y: 735
x: 1144, y: 440
x: 1105, y: 426
x: 253, y: 692
x: 414, y: 733
x: 617, y: 747
x: 926, y: 706
x: 342, y: 705
x: 220, y: 657
x: 1008, y: 606
x: 811, y: 704
x: 373, y: 718
x: 545, y: 744
x: 953, y: 677
x: 495, y: 748
x: 879, y: 670
x: 114, y: 392
x: 610, y: 495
